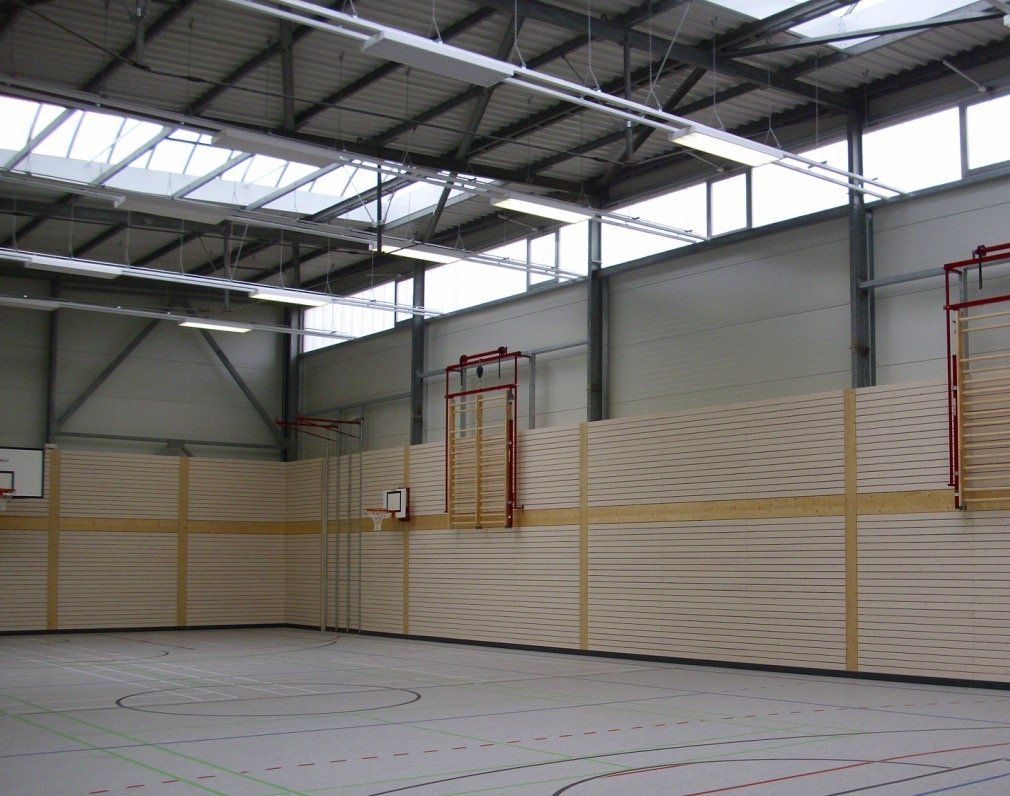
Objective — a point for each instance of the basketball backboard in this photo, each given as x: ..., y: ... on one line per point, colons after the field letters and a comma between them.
x: 21, y: 470
x: 397, y: 501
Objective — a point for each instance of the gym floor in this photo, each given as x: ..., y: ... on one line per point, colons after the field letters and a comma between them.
x: 278, y: 710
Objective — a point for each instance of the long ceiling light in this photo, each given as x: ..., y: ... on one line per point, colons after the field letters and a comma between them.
x: 726, y: 146
x: 431, y: 254
x: 66, y: 265
x: 564, y: 212
x: 215, y: 326
x: 436, y: 57
x: 302, y: 298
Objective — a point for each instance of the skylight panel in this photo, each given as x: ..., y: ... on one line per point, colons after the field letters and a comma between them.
x: 171, y: 155
x: 205, y: 157
x: 19, y: 118
x: 58, y: 142
x: 870, y: 14
x: 134, y: 135
x: 758, y: 9
x: 96, y: 137
x: 261, y: 170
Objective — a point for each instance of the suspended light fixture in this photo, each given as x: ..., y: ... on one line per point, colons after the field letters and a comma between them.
x: 432, y: 254
x: 437, y: 57
x: 215, y: 326
x: 726, y: 146
x: 300, y: 298
x: 564, y: 212
x: 64, y: 265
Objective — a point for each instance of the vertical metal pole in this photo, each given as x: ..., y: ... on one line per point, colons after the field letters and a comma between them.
x: 860, y: 322
x: 288, y: 75
x: 347, y: 533
x: 533, y: 391
x: 358, y: 513
x: 291, y: 353
x: 324, y: 533
x: 336, y: 538
x: 629, y: 132
x: 595, y: 409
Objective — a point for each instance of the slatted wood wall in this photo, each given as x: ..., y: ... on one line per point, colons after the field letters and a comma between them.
x: 814, y: 531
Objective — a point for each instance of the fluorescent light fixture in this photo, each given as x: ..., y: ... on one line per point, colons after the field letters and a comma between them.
x: 301, y: 298
x: 201, y: 212
x: 432, y: 254
x: 65, y: 265
x: 545, y: 208
x: 437, y: 57
x: 215, y: 326
x: 727, y: 146
x: 275, y: 146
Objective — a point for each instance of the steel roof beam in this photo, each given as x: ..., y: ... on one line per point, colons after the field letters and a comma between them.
x: 686, y: 54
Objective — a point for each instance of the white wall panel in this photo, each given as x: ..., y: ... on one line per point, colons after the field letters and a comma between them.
x: 920, y: 234
x: 25, y: 347
x: 757, y: 320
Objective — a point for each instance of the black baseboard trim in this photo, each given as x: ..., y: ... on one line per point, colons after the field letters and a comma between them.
x: 959, y: 682
x: 75, y: 630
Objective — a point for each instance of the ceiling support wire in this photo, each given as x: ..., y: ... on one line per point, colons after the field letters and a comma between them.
x: 589, y: 43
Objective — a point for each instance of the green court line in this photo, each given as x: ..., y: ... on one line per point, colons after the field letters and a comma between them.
x: 158, y: 747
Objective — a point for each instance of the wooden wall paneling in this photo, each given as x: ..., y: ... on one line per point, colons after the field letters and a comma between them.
x: 381, y: 470
x: 787, y: 447
x: 117, y: 579
x: 761, y: 591
x: 933, y: 595
x: 382, y: 581
x: 902, y: 437
x: 515, y: 586
x: 235, y: 490
x: 405, y: 563
x: 427, y: 478
x: 235, y: 578
x: 549, y: 468
x: 301, y: 582
x: 118, y: 486
x: 23, y: 579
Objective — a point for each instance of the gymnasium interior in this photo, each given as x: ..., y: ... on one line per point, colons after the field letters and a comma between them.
x: 504, y: 396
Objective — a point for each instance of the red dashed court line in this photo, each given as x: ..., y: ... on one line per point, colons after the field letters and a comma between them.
x: 572, y: 735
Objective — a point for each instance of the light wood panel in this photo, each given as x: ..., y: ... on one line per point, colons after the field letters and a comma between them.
x: 118, y: 485
x: 235, y: 579
x: 117, y: 579
x: 427, y: 478
x: 761, y: 591
x: 516, y: 586
x: 549, y: 468
x: 933, y: 595
x: 23, y: 570
x: 381, y: 581
x: 231, y: 489
x: 301, y: 582
x: 779, y: 448
x: 902, y: 437
x: 303, y: 485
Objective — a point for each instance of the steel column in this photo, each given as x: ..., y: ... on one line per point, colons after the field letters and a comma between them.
x: 418, y: 334
x: 860, y: 299
x: 54, y: 328
x: 596, y: 320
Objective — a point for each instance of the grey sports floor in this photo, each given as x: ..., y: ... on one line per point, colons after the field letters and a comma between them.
x: 269, y: 711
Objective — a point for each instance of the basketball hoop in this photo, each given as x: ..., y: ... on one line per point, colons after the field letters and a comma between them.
x: 378, y: 515
x: 5, y: 495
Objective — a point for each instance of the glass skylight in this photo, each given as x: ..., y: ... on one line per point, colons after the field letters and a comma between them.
x: 870, y: 14
x: 862, y: 15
